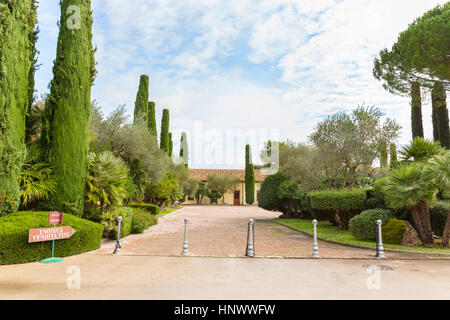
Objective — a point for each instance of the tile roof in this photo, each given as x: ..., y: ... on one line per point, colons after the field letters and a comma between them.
x: 202, y: 174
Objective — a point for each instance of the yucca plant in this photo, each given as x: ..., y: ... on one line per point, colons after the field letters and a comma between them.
x: 36, y: 180
x: 421, y: 149
x: 408, y: 187
x: 107, y: 180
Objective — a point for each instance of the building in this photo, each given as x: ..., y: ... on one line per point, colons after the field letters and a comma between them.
x: 237, y: 197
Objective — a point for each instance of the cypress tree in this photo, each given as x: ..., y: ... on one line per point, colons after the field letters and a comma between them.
x: 440, y: 123
x: 152, y: 118
x: 416, y: 111
x: 184, y: 153
x: 164, y: 139
x: 141, y: 103
x: 393, y: 155
x: 383, y: 155
x: 17, y: 21
x: 170, y: 144
x: 65, y: 135
x: 434, y: 120
x: 249, y: 177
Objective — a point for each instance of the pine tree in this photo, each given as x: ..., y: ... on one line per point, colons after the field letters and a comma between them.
x: 440, y: 123
x: 416, y: 111
x: 152, y: 118
x: 164, y: 139
x: 17, y: 21
x: 393, y: 156
x: 141, y: 103
x: 249, y: 177
x: 65, y: 132
x: 184, y: 153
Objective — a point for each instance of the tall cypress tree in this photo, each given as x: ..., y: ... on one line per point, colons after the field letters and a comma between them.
x: 416, y: 111
x: 383, y: 155
x: 249, y: 177
x: 65, y: 134
x: 184, y: 152
x: 170, y: 144
x: 152, y: 118
x: 438, y: 99
x: 17, y: 21
x: 164, y: 139
x: 141, y: 103
x: 393, y: 156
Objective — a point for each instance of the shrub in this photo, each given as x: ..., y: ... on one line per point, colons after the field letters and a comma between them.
x: 375, y: 196
x: 363, y: 226
x: 110, y: 225
x: 393, y: 231
x: 149, y: 207
x: 142, y: 220
x: 268, y: 194
x: 14, y: 246
x: 343, y: 203
x: 438, y: 216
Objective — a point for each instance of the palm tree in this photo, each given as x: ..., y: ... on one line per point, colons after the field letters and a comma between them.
x: 438, y: 171
x: 421, y: 149
x: 106, y: 181
x: 408, y: 187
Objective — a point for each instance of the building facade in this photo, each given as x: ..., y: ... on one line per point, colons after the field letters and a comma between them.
x: 237, y: 197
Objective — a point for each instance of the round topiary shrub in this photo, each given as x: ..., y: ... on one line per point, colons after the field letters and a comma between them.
x: 393, y: 231
x: 438, y: 216
x: 364, y: 227
x: 268, y: 194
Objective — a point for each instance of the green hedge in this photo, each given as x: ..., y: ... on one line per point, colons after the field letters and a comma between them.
x: 375, y: 195
x: 149, y: 207
x: 14, y: 246
x: 393, y: 231
x: 268, y: 194
x: 364, y: 227
x: 110, y: 225
x: 142, y: 220
x: 438, y: 216
x: 343, y: 203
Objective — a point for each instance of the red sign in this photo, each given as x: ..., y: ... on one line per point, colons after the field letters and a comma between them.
x: 55, y: 218
x: 49, y: 234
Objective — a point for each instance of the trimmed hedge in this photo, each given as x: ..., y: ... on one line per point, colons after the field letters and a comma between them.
x: 110, y: 225
x: 14, y: 246
x: 149, y: 207
x: 393, y: 231
x: 342, y: 203
x: 364, y: 227
x: 438, y: 216
x: 142, y: 220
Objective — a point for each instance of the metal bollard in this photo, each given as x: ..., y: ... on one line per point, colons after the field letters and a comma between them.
x: 380, y: 248
x: 118, y: 248
x: 250, y: 251
x: 315, y: 253
x: 185, y: 243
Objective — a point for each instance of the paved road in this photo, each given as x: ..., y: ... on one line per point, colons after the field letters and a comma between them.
x: 150, y: 277
x: 221, y: 231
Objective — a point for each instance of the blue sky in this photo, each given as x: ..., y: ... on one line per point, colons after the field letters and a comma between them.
x: 275, y: 66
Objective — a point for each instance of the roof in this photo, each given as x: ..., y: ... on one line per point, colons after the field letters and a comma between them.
x: 202, y: 174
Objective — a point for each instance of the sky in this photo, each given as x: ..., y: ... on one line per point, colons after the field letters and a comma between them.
x: 241, y: 71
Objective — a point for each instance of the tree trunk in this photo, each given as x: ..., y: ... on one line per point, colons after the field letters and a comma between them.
x: 424, y: 215
x: 446, y: 235
x: 418, y: 223
x: 416, y: 111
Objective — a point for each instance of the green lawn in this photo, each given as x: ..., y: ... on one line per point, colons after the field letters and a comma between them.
x: 328, y: 231
x: 168, y: 210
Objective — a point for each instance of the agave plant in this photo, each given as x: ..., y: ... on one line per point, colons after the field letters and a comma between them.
x: 36, y: 182
x: 421, y: 149
x: 107, y: 180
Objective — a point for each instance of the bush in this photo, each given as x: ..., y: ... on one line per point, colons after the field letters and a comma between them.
x: 375, y: 196
x: 268, y: 194
x: 343, y: 204
x: 364, y: 227
x: 110, y: 224
x: 438, y: 216
x: 146, y: 206
x: 142, y: 220
x: 14, y: 246
x: 393, y: 231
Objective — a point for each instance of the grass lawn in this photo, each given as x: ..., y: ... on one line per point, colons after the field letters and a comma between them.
x: 168, y: 210
x: 328, y: 231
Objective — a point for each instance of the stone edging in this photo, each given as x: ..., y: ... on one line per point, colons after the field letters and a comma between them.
x: 358, y: 245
